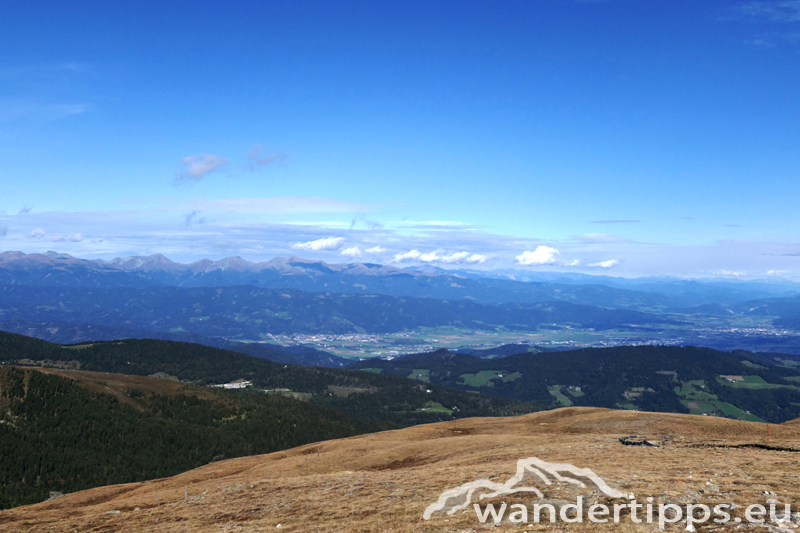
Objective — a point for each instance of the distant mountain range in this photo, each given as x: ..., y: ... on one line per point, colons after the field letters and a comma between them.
x: 53, y: 269
x: 66, y: 299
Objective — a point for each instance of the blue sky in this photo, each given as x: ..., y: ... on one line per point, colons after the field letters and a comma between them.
x: 623, y: 137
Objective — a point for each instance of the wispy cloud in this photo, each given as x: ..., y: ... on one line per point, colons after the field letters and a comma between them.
x: 324, y: 244
x: 28, y: 109
x: 78, y: 237
x: 610, y: 263
x: 774, y: 11
x: 600, y: 238
x: 437, y: 225
x: 258, y: 157
x: 759, y: 43
x: 193, y: 218
x: 542, y: 255
x: 375, y: 250
x: 361, y: 220
x: 197, y: 167
x: 44, y: 72
x: 278, y: 205
x: 731, y: 273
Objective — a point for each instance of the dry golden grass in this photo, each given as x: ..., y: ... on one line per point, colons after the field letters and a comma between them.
x: 119, y: 384
x: 383, y: 482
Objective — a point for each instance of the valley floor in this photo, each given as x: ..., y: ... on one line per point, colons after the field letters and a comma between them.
x: 383, y: 482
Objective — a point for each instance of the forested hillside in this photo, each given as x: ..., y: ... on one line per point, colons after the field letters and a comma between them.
x: 393, y: 399
x: 650, y: 378
x: 71, y: 433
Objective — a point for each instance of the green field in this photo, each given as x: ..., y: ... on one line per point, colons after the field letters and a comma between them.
x: 422, y: 374
x: 701, y: 407
x: 698, y: 400
x: 733, y: 411
x: 436, y: 407
x: 754, y: 383
x: 555, y: 390
x: 695, y: 391
x: 484, y: 377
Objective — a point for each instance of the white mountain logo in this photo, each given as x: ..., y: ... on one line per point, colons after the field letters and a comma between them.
x: 529, y: 470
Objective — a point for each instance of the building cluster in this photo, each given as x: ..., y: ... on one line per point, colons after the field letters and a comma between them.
x: 238, y: 384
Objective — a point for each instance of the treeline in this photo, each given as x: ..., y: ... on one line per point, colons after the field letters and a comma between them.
x: 56, y: 435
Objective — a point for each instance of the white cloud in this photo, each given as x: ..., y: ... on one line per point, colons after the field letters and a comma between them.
x: 412, y: 255
x: 455, y: 257
x: 573, y: 263
x: 430, y: 257
x: 477, y: 259
x: 327, y: 243
x: 196, y: 167
x: 353, y: 251
x: 38, y: 233
x: 542, y: 255
x: 438, y: 256
x: 610, y: 263
x: 376, y: 250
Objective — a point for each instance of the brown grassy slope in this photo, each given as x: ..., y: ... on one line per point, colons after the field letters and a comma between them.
x: 118, y: 385
x: 384, y: 481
